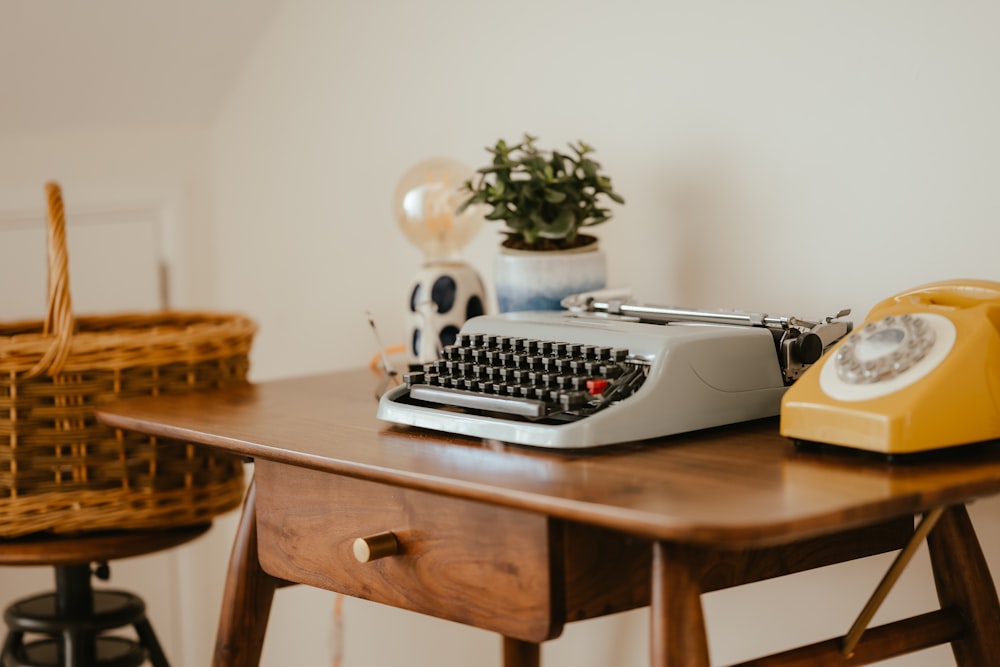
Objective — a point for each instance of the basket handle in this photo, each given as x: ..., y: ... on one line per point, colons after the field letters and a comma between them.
x: 59, y: 317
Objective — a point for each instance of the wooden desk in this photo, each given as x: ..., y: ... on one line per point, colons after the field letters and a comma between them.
x: 521, y: 541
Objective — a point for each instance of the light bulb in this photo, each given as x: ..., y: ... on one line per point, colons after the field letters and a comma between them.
x: 426, y: 206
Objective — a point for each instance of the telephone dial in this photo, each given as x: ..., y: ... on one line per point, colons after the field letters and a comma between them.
x: 921, y: 373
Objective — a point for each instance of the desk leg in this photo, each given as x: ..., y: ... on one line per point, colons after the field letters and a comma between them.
x: 964, y: 583
x: 517, y: 653
x: 677, y: 632
x: 246, y: 602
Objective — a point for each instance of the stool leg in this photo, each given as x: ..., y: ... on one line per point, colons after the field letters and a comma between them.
x: 152, y: 645
x: 12, y: 643
x: 74, y: 601
x: 74, y: 653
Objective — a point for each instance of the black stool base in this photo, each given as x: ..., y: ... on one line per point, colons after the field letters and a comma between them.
x: 108, y: 652
x: 71, y: 621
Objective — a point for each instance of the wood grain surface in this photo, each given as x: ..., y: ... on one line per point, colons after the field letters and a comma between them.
x: 733, y: 487
x: 486, y: 566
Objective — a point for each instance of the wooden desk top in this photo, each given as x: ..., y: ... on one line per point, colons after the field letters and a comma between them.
x: 732, y: 487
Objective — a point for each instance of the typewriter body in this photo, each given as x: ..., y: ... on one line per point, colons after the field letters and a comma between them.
x: 606, y: 371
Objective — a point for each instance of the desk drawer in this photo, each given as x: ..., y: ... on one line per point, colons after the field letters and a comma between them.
x: 486, y: 566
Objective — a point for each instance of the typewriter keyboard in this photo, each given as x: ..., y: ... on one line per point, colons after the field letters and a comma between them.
x: 527, y: 378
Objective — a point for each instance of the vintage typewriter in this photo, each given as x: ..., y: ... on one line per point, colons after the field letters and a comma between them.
x: 607, y: 371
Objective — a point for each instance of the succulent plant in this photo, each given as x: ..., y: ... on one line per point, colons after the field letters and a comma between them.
x: 543, y: 197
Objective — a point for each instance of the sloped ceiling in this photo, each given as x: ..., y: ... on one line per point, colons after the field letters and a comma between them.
x: 75, y: 65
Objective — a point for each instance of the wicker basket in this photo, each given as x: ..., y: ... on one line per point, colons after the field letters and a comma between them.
x: 60, y: 470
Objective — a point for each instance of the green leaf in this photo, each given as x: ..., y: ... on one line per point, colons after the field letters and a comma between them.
x: 498, y: 213
x: 554, y: 196
x: 561, y: 227
x: 536, y: 192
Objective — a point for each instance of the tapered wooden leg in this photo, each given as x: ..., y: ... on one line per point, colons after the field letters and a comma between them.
x: 517, y: 653
x: 677, y: 633
x: 964, y: 583
x: 246, y: 602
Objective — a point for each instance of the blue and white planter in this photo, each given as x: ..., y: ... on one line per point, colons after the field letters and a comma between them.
x: 539, y: 280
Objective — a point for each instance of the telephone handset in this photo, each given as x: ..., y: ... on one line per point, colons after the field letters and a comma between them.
x: 922, y: 372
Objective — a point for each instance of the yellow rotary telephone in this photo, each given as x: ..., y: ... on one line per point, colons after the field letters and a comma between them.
x: 921, y: 373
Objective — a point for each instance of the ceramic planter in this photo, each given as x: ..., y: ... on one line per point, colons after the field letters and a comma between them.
x: 538, y: 280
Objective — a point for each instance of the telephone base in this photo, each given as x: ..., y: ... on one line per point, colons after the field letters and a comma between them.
x: 964, y: 451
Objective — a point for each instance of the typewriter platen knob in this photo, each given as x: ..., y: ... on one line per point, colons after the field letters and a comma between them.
x: 808, y: 348
x: 373, y: 547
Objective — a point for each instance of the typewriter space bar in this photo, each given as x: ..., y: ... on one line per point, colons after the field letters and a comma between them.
x: 524, y: 407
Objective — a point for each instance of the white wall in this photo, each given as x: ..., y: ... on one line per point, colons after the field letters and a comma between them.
x: 156, y: 168
x: 783, y: 156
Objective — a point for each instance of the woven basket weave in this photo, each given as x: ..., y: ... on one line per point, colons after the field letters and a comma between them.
x: 60, y: 470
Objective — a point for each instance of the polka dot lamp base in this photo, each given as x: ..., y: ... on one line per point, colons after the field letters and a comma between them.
x: 443, y: 297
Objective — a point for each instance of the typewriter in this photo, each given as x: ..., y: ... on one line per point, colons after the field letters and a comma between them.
x: 607, y: 371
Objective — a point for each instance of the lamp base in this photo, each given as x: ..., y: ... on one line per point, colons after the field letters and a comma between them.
x: 444, y: 295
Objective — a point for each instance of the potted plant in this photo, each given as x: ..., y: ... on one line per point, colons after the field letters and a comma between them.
x: 544, y: 199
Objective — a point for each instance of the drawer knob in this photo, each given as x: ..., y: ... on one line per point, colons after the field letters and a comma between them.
x: 373, y: 547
